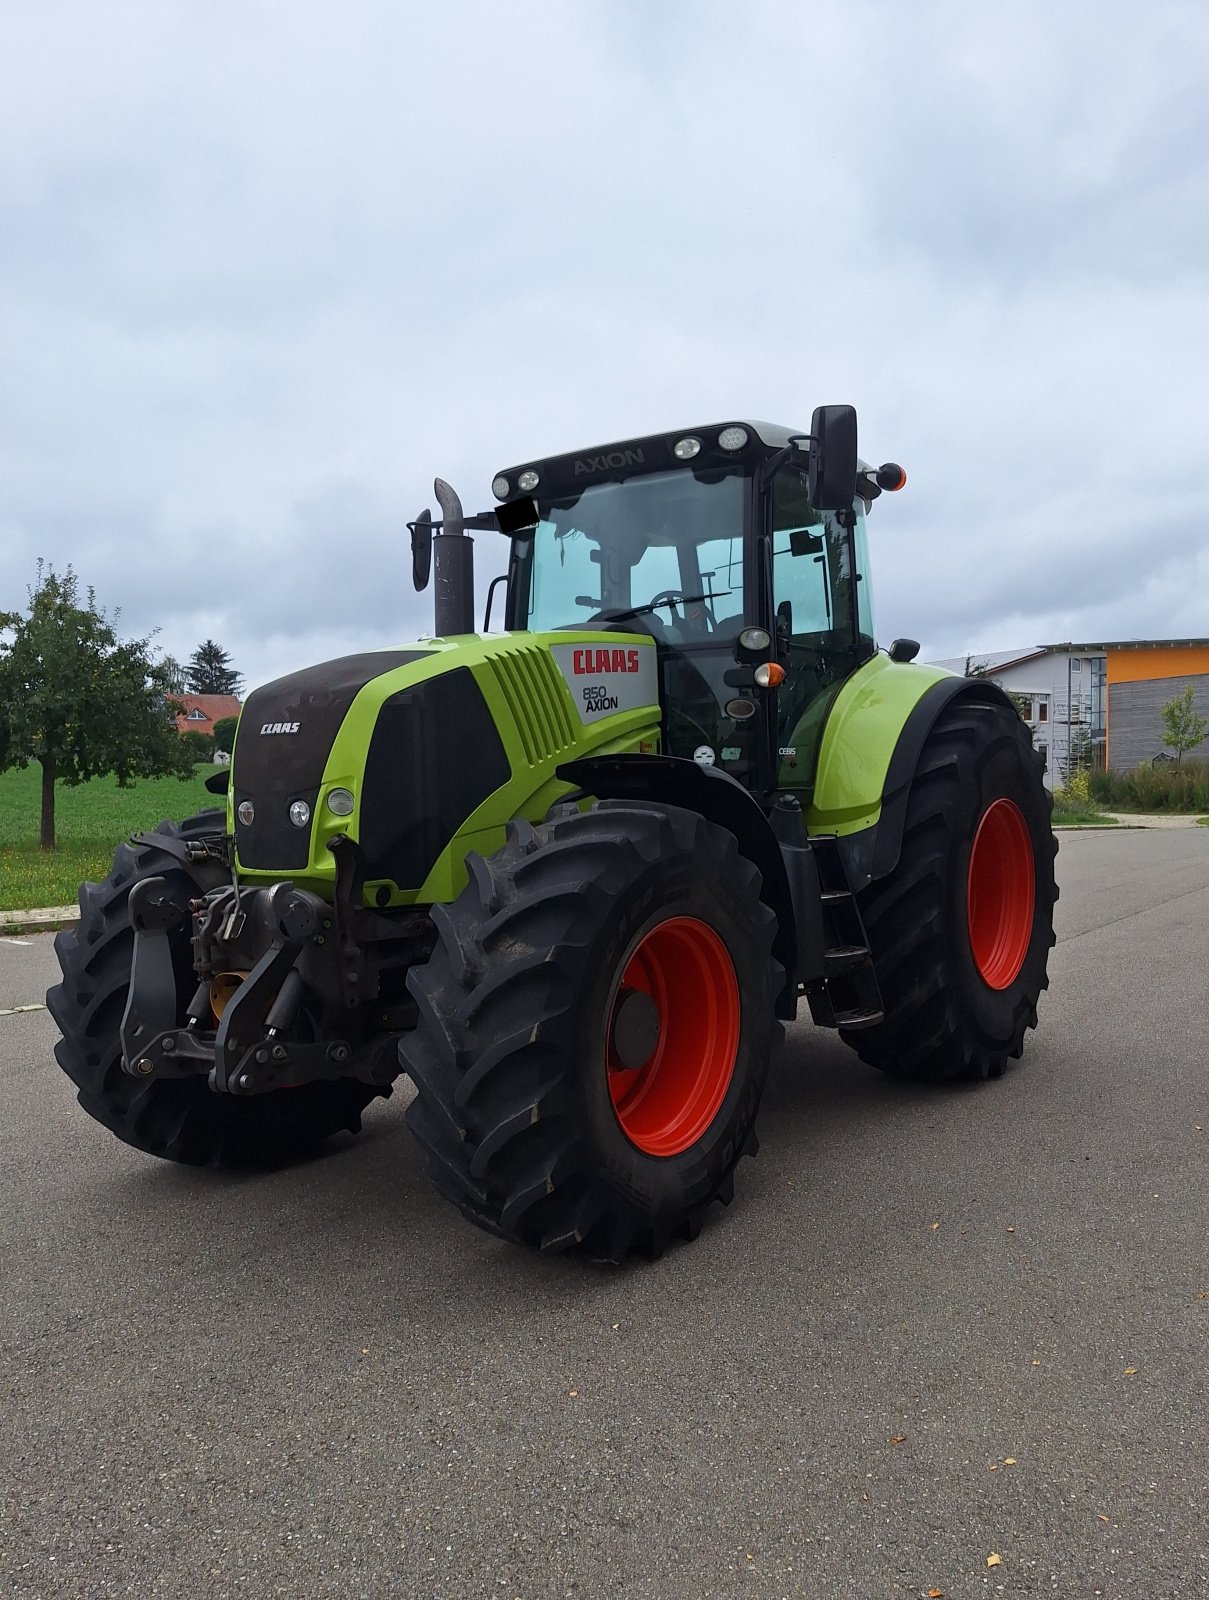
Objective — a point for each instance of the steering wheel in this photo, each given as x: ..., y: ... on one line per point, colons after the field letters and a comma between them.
x: 672, y: 597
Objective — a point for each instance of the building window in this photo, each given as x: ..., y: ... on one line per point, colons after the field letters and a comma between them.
x: 196, y: 716
x: 1043, y: 752
x: 1076, y: 665
x: 1042, y: 710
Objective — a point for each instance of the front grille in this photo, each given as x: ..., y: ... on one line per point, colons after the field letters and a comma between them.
x: 273, y: 769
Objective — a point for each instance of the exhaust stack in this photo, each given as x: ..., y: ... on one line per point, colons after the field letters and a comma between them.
x: 453, y: 561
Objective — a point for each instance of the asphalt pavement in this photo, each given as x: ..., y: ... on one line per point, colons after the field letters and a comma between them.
x: 933, y: 1329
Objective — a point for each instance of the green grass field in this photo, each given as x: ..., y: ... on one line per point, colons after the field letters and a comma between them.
x: 90, y: 823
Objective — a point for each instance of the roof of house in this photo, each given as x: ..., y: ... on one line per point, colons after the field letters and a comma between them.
x: 214, y: 706
x: 989, y: 660
x: 999, y: 660
x: 1133, y: 644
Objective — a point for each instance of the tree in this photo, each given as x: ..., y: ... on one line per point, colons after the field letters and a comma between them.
x: 224, y: 733
x: 79, y: 700
x: 1078, y: 756
x: 982, y: 669
x: 210, y: 671
x: 1183, y: 729
x: 171, y: 675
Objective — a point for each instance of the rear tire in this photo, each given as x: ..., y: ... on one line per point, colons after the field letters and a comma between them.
x: 178, y: 1119
x: 533, y: 1124
x: 961, y: 930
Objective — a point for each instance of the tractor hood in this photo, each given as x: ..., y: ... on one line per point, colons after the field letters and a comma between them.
x: 414, y: 753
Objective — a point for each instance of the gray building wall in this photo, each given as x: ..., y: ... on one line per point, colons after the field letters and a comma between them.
x: 1135, y: 728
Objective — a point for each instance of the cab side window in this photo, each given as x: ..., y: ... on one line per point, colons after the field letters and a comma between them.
x: 812, y: 588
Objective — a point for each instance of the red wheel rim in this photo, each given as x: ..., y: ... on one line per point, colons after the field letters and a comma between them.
x: 665, y: 1104
x: 1000, y: 894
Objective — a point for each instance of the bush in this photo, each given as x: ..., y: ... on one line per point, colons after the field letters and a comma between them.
x: 224, y: 734
x: 1077, y: 792
x: 1154, y: 787
x: 200, y: 745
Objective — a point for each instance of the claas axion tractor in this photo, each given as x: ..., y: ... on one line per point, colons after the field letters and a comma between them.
x: 572, y: 875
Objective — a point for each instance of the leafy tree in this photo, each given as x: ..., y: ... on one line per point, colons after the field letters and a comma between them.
x: 210, y: 671
x: 79, y: 700
x: 171, y: 675
x: 224, y: 733
x: 1183, y: 729
x: 199, y: 745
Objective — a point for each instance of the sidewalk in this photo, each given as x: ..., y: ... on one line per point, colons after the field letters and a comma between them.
x: 1134, y: 819
x: 44, y: 921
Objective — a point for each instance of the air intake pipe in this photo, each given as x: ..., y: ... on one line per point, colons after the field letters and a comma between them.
x: 453, y: 564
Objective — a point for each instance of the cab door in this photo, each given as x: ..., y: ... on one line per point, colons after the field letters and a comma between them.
x: 820, y: 617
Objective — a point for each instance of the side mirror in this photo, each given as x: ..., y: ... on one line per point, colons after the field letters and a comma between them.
x: 804, y: 543
x: 832, y: 464
x: 517, y: 516
x: 421, y: 550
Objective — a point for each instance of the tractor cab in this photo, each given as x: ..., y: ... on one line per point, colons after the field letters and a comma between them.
x: 739, y: 547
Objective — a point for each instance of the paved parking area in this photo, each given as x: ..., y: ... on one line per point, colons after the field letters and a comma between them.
x: 933, y: 1328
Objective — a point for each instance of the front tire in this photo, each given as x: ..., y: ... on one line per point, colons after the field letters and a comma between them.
x: 178, y: 1119
x: 595, y: 1028
x: 961, y: 930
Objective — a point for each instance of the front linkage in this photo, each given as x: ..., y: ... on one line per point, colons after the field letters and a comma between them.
x: 289, y: 988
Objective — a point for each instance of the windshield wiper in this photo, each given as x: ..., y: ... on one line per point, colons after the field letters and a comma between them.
x: 680, y: 600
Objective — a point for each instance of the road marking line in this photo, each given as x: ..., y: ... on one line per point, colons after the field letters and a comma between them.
x: 12, y: 1011
x: 24, y: 943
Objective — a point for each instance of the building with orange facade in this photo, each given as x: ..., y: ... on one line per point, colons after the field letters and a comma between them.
x: 1097, y: 702
x: 1141, y: 675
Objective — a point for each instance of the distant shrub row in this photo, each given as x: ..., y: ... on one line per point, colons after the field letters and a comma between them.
x: 1160, y: 786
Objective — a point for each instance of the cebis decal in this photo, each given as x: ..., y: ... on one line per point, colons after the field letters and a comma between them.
x: 605, y: 680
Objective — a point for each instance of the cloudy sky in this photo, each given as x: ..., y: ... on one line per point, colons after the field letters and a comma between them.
x: 265, y: 269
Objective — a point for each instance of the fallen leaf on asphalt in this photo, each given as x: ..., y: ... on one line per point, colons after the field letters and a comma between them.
x: 573, y: 1394
x: 898, y: 1438
x: 935, y: 1225
x: 994, y: 1561
x: 994, y: 1467
x: 1011, y: 1230
x: 936, y: 1594
x: 1100, y: 1517
x: 1036, y: 1363
x: 1009, y: 1461
x: 1131, y: 1372
x: 1200, y: 1294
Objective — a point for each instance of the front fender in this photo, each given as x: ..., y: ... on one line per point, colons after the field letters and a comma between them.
x: 714, y: 794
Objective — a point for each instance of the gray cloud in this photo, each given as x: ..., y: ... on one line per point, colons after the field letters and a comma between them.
x: 261, y: 281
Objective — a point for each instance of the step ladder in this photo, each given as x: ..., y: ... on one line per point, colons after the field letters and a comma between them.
x: 848, y: 995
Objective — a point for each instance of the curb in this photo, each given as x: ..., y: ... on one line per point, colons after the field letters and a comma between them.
x: 46, y: 920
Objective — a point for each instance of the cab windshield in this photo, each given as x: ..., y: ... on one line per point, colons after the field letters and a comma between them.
x: 663, y: 551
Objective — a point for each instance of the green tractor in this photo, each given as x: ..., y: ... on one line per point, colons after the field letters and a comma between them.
x: 571, y: 876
